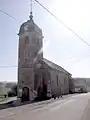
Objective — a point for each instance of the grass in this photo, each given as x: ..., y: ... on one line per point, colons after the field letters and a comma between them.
x: 7, y: 99
x: 2, y: 99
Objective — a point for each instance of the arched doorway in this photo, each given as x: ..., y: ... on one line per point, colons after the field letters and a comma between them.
x: 41, y: 83
x: 42, y: 90
x: 25, y: 94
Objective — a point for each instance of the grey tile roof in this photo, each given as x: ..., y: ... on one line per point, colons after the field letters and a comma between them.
x: 31, y: 27
x: 55, y: 66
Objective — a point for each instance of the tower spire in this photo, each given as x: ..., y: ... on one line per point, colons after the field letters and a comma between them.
x: 31, y: 16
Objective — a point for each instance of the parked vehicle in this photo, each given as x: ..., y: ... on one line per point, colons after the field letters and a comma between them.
x: 80, y: 90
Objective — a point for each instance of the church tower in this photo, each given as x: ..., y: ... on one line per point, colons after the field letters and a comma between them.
x: 29, y: 52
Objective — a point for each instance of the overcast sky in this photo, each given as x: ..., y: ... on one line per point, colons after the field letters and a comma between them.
x: 61, y: 45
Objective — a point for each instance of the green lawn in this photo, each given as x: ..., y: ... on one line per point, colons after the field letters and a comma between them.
x: 3, y: 99
x: 6, y: 100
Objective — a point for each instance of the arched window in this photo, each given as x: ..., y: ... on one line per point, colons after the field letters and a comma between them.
x: 26, y: 39
x: 57, y: 79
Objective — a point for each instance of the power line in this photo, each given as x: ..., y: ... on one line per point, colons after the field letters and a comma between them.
x: 84, y: 41
x: 31, y: 6
x: 15, y: 66
x: 8, y: 15
x: 54, y: 17
x: 77, y: 61
x: 8, y: 66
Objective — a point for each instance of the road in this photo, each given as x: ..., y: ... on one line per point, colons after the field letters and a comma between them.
x: 75, y: 107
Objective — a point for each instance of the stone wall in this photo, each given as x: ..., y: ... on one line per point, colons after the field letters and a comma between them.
x: 59, y: 82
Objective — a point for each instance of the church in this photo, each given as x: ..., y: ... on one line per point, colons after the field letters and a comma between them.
x: 36, y: 73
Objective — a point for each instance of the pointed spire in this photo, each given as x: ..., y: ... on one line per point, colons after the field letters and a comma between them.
x: 31, y: 16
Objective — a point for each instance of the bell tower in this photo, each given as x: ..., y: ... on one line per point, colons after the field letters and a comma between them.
x: 29, y: 52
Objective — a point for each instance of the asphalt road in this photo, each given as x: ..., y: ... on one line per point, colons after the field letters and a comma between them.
x: 75, y: 107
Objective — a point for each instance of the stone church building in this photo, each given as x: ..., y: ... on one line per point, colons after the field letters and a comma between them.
x: 34, y: 71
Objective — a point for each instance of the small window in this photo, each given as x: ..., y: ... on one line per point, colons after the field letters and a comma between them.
x: 27, y: 40
x: 57, y: 80
x: 27, y: 54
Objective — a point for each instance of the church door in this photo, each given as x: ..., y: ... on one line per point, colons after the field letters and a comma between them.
x: 25, y: 94
x: 44, y: 93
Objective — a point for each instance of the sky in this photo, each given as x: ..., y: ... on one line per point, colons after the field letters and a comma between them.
x: 60, y: 45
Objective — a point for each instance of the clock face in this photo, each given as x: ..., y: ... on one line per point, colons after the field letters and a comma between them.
x: 26, y: 28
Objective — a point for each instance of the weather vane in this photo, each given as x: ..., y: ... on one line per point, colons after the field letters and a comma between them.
x: 31, y: 6
x: 31, y: 9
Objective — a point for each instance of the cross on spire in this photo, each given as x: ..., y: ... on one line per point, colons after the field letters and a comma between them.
x: 31, y: 16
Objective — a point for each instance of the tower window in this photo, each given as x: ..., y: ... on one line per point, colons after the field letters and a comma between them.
x: 57, y: 80
x: 27, y: 54
x: 27, y: 40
